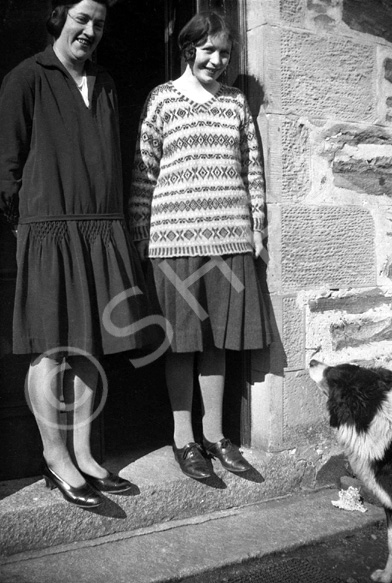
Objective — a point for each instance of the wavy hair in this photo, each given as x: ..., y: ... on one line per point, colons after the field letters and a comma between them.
x: 198, y: 29
x: 58, y: 16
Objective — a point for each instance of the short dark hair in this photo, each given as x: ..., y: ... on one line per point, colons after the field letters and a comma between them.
x: 198, y: 29
x: 58, y: 16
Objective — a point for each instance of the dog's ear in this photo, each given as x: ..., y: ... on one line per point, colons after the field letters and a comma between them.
x: 385, y: 375
x: 342, y: 373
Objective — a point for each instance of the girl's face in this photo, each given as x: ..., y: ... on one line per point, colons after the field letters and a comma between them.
x: 211, y: 59
x: 82, y: 31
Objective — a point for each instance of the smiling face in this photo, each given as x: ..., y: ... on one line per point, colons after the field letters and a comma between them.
x: 211, y: 59
x: 82, y: 31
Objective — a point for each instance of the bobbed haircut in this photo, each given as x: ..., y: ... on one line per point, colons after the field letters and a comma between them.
x: 198, y: 29
x: 58, y: 16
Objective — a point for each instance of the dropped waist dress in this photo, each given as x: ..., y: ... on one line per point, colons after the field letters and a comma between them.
x: 79, y: 282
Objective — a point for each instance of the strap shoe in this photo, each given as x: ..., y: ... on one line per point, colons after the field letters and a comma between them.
x: 112, y: 484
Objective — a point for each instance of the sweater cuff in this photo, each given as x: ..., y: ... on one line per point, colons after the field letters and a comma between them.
x: 258, y: 223
x: 139, y: 233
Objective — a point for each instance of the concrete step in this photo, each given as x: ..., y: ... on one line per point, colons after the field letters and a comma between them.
x: 33, y: 517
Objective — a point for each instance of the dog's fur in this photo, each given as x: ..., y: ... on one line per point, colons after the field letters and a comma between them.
x: 360, y: 409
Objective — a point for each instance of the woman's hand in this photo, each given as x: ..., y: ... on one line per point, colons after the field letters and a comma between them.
x: 257, y: 243
x: 142, y: 249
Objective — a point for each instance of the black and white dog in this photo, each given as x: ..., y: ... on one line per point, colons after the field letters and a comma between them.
x: 360, y: 409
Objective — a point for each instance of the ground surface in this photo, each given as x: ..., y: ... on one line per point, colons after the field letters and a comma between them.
x: 351, y: 558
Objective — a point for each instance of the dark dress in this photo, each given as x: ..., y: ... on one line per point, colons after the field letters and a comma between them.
x: 79, y: 282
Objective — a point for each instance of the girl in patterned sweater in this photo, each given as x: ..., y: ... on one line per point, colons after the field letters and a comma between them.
x: 197, y: 211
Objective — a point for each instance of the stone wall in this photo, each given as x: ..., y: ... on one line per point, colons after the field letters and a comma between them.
x: 321, y: 79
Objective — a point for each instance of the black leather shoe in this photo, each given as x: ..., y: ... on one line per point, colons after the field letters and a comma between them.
x: 228, y: 454
x: 112, y: 484
x: 84, y: 496
x: 192, y: 461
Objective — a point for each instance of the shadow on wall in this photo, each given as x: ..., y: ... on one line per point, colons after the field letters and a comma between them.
x: 254, y: 91
x: 272, y: 360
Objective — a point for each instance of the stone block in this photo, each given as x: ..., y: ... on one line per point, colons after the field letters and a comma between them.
x: 351, y: 302
x: 384, y: 78
x: 305, y: 418
x: 32, y: 517
x: 292, y: 12
x: 270, y: 127
x: 367, y: 170
x: 293, y: 334
x: 266, y: 414
x: 263, y: 66
x: 382, y: 215
x: 295, y: 161
x: 364, y: 330
x: 327, y: 76
x: 350, y: 325
x: 359, y: 158
x: 274, y: 264
x: 327, y: 246
x: 255, y: 14
x: 323, y: 15
x: 374, y: 177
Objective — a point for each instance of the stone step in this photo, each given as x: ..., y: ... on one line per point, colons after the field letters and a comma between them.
x: 34, y: 517
x: 228, y: 539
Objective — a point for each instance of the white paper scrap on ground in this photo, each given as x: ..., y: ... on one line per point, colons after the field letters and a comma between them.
x: 350, y: 499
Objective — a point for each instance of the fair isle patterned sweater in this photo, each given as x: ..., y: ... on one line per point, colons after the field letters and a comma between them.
x: 198, y: 185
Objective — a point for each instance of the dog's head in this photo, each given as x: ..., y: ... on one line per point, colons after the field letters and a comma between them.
x: 355, y: 394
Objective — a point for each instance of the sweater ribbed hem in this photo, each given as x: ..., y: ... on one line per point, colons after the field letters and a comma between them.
x: 200, y: 250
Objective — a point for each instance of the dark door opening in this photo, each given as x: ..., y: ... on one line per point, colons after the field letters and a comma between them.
x: 139, y: 51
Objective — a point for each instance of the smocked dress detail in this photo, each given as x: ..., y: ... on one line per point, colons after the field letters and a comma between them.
x: 60, y: 180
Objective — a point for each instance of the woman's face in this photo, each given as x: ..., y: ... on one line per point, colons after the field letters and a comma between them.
x: 82, y: 31
x: 211, y: 59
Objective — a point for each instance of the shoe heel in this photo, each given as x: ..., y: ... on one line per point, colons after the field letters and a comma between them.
x: 49, y: 484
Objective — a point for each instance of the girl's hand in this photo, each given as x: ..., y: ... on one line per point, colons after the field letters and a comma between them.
x: 257, y: 243
x: 142, y: 249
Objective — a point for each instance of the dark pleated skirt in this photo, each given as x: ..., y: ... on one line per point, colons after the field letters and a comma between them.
x: 79, y: 285
x: 221, y: 307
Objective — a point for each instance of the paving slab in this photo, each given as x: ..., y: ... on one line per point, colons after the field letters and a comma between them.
x: 171, y: 551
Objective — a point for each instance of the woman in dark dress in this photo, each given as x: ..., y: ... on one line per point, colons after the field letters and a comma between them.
x: 60, y: 181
